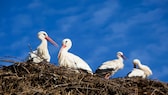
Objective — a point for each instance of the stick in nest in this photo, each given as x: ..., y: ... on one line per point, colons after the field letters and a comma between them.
x: 7, y: 60
x: 11, y: 57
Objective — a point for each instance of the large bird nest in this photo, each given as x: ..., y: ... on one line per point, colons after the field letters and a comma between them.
x: 26, y: 78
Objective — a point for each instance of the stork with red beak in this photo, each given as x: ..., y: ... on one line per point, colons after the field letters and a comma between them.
x: 41, y: 53
x: 109, y: 68
x: 142, y: 70
x: 69, y: 60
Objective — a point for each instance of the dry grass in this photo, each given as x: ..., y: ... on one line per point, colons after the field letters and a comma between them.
x: 26, y: 78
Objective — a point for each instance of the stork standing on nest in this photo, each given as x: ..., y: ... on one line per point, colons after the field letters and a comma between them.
x: 41, y: 53
x: 109, y: 68
x: 142, y: 70
x: 69, y: 60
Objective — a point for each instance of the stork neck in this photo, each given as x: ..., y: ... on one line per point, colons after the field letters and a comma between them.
x: 120, y: 58
x: 43, y: 44
x: 139, y: 65
x: 64, y: 49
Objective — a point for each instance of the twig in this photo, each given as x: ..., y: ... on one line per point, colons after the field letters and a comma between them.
x: 88, y: 88
x: 79, y: 91
x: 31, y: 50
x: 15, y: 71
x: 10, y: 61
x: 26, y: 69
x: 81, y: 79
x: 66, y: 84
x: 12, y: 57
x: 154, y: 91
x: 136, y: 89
x: 158, y: 90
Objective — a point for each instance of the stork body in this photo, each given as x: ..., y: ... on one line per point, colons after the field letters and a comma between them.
x: 109, y: 68
x: 69, y: 60
x: 137, y: 73
x: 41, y: 53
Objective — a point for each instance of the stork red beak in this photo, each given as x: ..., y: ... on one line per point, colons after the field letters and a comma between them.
x: 63, y: 46
x: 134, y: 66
x: 51, y: 41
x: 123, y: 57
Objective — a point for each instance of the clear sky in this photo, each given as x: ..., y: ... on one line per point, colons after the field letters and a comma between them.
x: 97, y: 28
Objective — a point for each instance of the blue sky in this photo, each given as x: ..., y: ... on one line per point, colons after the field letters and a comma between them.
x: 97, y: 28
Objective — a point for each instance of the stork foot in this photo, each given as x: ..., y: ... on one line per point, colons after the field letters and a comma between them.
x: 107, y: 76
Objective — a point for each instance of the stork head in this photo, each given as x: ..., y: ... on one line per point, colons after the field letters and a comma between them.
x: 136, y: 61
x: 42, y: 35
x: 120, y: 54
x: 67, y: 43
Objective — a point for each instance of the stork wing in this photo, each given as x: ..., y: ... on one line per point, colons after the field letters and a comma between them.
x: 80, y: 63
x: 136, y: 73
x: 33, y: 57
x: 109, y: 65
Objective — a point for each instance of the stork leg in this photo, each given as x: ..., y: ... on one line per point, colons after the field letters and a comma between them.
x: 107, y: 76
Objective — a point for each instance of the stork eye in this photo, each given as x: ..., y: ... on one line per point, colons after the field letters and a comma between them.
x: 66, y: 41
x: 44, y: 34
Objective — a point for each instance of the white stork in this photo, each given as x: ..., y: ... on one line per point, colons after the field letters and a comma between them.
x: 41, y: 53
x: 69, y: 60
x: 142, y: 70
x: 109, y: 68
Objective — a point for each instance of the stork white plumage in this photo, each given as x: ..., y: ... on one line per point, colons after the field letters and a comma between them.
x: 41, y: 53
x: 69, y: 60
x: 136, y: 73
x: 109, y: 68
x: 142, y: 71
